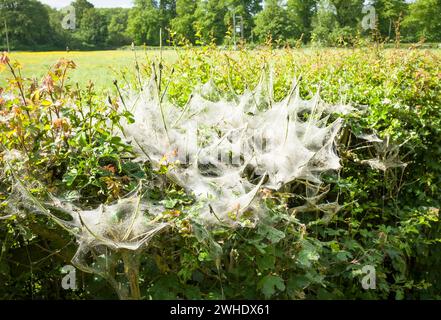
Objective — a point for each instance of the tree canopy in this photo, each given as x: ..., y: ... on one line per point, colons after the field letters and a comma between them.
x: 32, y: 25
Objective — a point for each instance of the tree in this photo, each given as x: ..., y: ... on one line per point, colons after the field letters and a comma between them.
x: 388, y: 13
x: 167, y: 11
x: 117, y: 27
x: 324, y: 23
x: 424, y: 20
x: 348, y: 12
x: 337, y: 21
x: 274, y: 21
x: 215, y: 18
x: 209, y: 22
x: 144, y: 22
x: 93, y: 29
x: 183, y: 23
x: 27, y: 21
x: 80, y: 7
x: 212, y: 19
x: 60, y: 37
x: 246, y: 9
x: 301, y: 13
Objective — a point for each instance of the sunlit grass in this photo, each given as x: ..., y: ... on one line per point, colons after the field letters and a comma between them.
x: 100, y: 67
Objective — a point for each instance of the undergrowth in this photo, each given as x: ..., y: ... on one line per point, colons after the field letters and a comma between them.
x: 62, y: 139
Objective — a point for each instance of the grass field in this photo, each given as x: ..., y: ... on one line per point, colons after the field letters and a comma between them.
x: 101, y: 67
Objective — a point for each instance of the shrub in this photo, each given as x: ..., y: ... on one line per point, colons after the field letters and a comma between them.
x: 388, y: 191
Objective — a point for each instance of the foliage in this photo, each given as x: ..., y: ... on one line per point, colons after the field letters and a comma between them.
x: 183, y: 23
x: 94, y: 27
x: 336, y: 22
x: 209, y: 16
x: 143, y: 23
x: 388, y: 218
x: 389, y: 12
x: 28, y: 22
x: 81, y: 6
x: 301, y: 13
x: 423, y: 20
x: 34, y: 26
x: 274, y: 22
x: 117, y: 26
x: 324, y: 23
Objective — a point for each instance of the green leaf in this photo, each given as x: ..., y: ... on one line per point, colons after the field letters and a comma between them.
x: 271, y: 233
x: 266, y: 262
x: 70, y: 177
x: 4, y: 269
x: 297, y: 283
x: 270, y: 284
x: 343, y: 256
x: 46, y: 103
x: 170, y: 203
x: 307, y: 254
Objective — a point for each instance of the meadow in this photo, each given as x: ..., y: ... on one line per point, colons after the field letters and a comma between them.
x: 100, y: 67
x: 103, y: 67
x: 371, y: 197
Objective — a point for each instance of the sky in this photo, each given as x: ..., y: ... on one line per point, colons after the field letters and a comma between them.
x: 97, y: 3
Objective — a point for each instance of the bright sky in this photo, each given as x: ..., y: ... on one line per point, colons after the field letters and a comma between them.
x: 96, y: 3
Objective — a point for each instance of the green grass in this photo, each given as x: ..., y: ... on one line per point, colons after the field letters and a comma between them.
x: 100, y: 67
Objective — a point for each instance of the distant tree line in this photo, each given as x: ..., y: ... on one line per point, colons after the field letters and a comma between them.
x: 32, y: 25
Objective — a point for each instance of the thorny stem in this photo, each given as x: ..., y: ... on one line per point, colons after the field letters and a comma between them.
x: 160, y: 60
x: 131, y: 269
x: 115, y: 83
x: 19, y: 85
x: 160, y: 102
x: 90, y: 112
x: 62, y: 81
x: 168, y: 84
x: 138, y: 76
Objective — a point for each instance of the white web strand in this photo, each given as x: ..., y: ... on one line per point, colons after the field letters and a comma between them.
x: 213, y: 142
x: 125, y: 225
